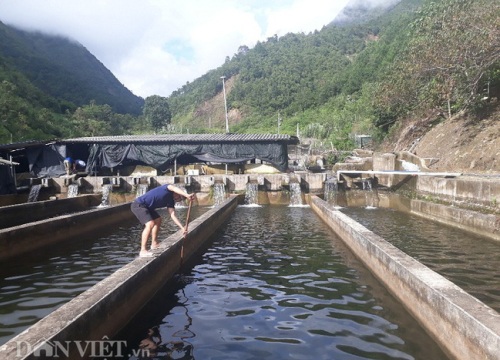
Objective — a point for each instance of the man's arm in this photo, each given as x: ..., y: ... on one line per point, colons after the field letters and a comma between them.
x: 181, y: 192
x: 175, y: 219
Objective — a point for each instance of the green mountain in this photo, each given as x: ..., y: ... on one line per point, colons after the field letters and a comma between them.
x: 364, y: 73
x: 372, y: 71
x: 301, y: 79
x: 64, y: 70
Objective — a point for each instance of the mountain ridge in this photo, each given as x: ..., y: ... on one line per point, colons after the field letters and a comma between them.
x: 361, y: 11
x: 65, y: 69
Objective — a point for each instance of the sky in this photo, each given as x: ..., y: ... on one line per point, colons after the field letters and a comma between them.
x: 155, y: 47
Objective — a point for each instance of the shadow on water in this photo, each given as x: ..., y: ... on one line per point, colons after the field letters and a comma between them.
x: 276, y: 283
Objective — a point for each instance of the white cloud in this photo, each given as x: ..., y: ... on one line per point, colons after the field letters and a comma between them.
x: 156, y: 46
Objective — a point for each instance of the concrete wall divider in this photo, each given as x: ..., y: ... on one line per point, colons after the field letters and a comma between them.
x: 18, y: 214
x: 32, y: 237
x: 486, y: 225
x: 462, y: 325
x: 104, y: 309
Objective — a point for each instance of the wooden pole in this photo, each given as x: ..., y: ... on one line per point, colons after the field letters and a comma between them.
x: 186, y: 227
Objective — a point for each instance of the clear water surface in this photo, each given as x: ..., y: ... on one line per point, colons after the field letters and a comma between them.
x: 276, y: 283
x: 34, y: 287
x: 466, y: 259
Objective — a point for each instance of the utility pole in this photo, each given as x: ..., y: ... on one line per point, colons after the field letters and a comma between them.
x: 225, y: 103
x: 279, y: 122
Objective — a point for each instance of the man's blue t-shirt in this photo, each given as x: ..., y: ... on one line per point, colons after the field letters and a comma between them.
x: 156, y: 198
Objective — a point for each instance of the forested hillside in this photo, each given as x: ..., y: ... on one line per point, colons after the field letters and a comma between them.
x: 51, y: 87
x: 64, y: 70
x: 418, y: 57
x: 370, y: 71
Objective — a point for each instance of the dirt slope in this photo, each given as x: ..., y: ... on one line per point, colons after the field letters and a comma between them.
x: 458, y: 144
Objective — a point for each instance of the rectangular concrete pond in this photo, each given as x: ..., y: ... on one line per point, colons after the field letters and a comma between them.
x: 465, y: 327
x: 116, y: 299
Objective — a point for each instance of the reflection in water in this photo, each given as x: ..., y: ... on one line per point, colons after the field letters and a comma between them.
x: 33, y: 288
x: 182, y: 346
x: 277, y: 284
x: 467, y: 260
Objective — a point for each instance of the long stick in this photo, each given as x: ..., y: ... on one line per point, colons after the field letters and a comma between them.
x: 185, y: 235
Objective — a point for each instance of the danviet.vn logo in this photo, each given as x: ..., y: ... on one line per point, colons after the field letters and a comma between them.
x: 97, y: 349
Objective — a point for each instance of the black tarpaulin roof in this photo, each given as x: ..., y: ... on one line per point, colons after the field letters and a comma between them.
x: 160, y: 151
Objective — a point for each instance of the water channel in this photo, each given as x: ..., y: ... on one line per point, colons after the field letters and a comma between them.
x: 277, y: 283
x: 464, y: 258
x: 33, y: 288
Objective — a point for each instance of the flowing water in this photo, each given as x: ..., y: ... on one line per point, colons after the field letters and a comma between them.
x: 252, y: 194
x: 33, y: 288
x: 466, y: 259
x: 34, y: 192
x: 296, y: 195
x: 219, y: 193
x: 276, y: 283
x: 141, y: 190
x: 331, y: 191
x: 72, y: 190
x: 106, y: 192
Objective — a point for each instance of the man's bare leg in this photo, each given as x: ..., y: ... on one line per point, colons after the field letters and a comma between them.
x: 154, y: 233
x: 145, y: 234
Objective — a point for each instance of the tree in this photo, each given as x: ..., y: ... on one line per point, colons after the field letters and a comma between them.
x: 157, y: 112
x: 91, y: 120
x: 455, y: 45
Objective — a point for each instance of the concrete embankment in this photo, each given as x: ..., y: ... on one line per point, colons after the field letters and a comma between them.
x: 18, y: 214
x: 480, y: 193
x: 486, y: 225
x: 462, y: 325
x: 35, y: 236
x: 102, y: 311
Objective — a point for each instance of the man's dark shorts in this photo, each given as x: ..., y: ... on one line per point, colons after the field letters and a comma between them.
x: 142, y: 213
